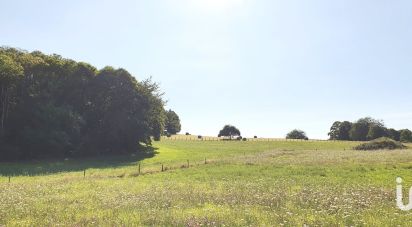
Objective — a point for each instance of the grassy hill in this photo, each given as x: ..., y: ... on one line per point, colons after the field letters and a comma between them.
x: 241, y: 183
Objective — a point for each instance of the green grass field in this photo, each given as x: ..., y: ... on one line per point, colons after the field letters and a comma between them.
x: 243, y: 183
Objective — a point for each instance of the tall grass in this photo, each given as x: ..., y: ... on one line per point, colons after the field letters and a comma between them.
x: 248, y: 183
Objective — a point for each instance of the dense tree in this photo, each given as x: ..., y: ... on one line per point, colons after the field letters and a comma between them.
x: 229, y: 131
x: 334, y: 131
x: 297, y: 134
x: 360, y: 129
x: 172, y: 122
x: 54, y: 132
x: 55, y: 107
x: 405, y: 135
x: 10, y: 71
x: 364, y: 129
x: 344, y: 130
x: 121, y: 119
x: 394, y: 134
x: 340, y: 130
x: 157, y: 114
x: 376, y: 131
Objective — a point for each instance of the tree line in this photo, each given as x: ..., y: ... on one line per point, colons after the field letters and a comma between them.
x: 51, y: 106
x: 231, y: 132
x: 366, y: 129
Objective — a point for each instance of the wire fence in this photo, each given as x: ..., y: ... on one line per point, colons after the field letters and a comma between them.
x: 140, y: 169
x: 210, y: 138
x: 143, y: 169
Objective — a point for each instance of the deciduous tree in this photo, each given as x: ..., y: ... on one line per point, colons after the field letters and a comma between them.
x: 230, y: 131
x: 297, y: 134
x: 10, y: 73
x: 172, y: 122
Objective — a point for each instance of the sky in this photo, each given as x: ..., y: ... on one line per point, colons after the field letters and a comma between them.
x: 265, y: 66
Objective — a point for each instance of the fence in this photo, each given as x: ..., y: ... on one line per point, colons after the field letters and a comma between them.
x: 139, y: 171
x: 162, y: 167
x: 210, y: 138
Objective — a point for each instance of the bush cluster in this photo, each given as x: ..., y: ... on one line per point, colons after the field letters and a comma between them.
x: 382, y: 143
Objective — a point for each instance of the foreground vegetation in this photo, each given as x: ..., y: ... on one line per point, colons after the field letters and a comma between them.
x: 243, y: 183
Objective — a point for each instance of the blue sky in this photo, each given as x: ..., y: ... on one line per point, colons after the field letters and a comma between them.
x: 265, y: 66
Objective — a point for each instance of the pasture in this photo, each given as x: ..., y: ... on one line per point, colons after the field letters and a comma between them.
x: 227, y: 183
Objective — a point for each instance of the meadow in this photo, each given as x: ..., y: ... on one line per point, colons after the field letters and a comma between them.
x: 227, y: 183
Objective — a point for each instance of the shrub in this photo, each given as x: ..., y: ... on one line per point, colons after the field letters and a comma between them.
x: 382, y: 143
x: 244, y: 139
x: 199, y: 137
x: 239, y: 138
x: 255, y: 137
x: 187, y: 134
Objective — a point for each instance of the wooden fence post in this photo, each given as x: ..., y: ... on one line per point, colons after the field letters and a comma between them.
x: 162, y: 167
x: 84, y: 173
x: 139, y: 168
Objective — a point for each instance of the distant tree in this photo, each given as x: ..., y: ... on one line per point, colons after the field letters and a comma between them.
x: 372, y: 121
x: 366, y: 129
x: 360, y: 129
x: 344, y: 130
x: 334, y: 133
x: 230, y: 131
x: 172, y: 122
x: 340, y: 130
x: 157, y: 114
x: 405, y: 135
x: 297, y: 134
x: 394, y: 134
x: 376, y: 131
